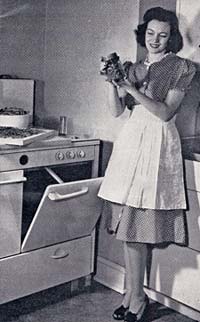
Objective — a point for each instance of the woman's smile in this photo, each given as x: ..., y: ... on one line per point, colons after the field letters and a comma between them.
x: 154, y: 45
x: 157, y: 36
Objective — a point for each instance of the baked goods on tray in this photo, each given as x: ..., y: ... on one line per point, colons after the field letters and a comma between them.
x: 12, y: 132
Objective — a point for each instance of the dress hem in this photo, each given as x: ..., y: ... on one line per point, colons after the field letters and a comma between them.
x: 139, y: 206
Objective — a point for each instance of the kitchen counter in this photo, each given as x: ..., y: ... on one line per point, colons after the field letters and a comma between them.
x: 55, y: 141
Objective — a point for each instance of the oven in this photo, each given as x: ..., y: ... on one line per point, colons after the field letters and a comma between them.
x: 49, y: 210
x: 37, y: 181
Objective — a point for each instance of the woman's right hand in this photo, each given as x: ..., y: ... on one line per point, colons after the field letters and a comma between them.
x: 120, y: 90
x: 115, y: 98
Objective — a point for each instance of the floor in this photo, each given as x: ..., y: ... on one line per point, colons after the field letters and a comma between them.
x: 93, y: 305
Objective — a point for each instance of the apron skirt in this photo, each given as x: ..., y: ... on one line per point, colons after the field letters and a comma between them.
x: 144, y: 181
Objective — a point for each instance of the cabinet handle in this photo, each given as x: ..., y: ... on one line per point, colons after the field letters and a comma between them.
x: 61, y: 255
x: 55, y: 196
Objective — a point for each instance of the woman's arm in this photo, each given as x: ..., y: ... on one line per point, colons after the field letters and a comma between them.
x: 163, y: 110
x: 116, y: 99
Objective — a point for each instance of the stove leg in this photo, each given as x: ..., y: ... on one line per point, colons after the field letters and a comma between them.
x: 88, y: 281
x: 80, y: 285
x: 74, y: 287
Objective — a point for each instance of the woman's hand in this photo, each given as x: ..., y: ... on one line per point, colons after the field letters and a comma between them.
x: 126, y: 86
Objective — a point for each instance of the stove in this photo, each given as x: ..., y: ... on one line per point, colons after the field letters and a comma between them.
x: 49, y: 210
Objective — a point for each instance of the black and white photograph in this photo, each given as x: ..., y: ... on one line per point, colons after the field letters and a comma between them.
x: 99, y: 160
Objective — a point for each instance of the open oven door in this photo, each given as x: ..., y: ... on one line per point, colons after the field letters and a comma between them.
x: 66, y: 211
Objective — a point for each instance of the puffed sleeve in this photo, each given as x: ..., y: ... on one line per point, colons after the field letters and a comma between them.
x: 184, y: 75
x: 129, y: 68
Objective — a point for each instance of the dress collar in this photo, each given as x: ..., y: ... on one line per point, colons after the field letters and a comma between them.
x: 147, y: 63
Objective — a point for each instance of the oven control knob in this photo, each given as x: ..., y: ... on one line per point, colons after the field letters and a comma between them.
x: 70, y: 155
x: 23, y: 159
x: 81, y: 154
x: 60, y: 156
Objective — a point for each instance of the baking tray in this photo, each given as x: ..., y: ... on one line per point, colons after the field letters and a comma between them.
x: 40, y: 135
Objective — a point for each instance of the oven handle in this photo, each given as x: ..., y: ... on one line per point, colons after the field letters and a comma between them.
x: 55, y: 196
x: 13, y: 181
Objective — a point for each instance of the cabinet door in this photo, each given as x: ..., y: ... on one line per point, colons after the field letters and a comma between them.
x: 175, y: 273
x: 192, y: 179
x: 66, y: 211
x: 193, y: 219
x: 11, y: 189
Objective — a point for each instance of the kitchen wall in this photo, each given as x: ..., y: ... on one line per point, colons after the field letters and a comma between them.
x: 78, y: 33
x: 22, y: 34
x: 60, y: 42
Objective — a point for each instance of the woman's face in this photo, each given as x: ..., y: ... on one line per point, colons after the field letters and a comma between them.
x: 157, y: 36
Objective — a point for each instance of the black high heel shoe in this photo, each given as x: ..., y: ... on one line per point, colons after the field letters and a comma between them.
x: 132, y: 317
x: 120, y: 313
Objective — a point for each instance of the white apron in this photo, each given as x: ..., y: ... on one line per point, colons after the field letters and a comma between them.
x: 145, y: 169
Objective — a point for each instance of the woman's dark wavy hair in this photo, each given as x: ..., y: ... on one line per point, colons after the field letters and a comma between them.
x: 175, y: 42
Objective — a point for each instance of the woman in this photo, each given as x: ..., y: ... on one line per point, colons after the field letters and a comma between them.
x: 143, y: 185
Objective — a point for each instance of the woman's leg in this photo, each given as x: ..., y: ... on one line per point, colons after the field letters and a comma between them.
x: 135, y: 262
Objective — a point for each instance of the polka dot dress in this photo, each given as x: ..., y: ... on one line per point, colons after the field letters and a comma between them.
x: 156, y: 79
x: 145, y: 225
x: 135, y: 223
